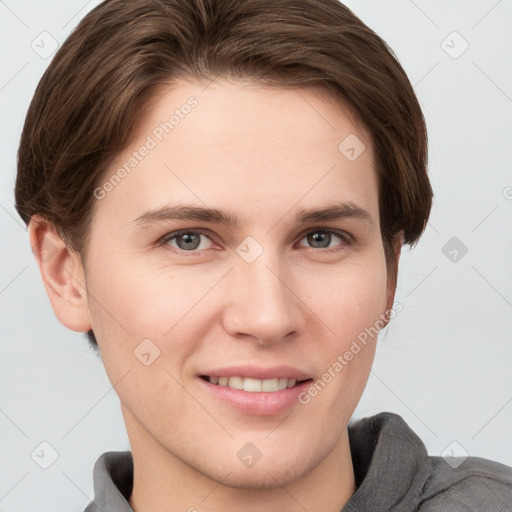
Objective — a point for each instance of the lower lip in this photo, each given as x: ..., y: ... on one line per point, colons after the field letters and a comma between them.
x: 258, y: 403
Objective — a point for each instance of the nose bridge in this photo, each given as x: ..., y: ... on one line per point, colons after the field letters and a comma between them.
x: 262, y: 303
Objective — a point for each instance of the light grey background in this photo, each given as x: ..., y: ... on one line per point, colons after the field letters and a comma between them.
x: 444, y: 363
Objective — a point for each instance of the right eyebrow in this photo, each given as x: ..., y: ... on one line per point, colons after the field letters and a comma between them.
x: 188, y: 212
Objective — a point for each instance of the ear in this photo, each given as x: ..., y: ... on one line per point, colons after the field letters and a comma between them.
x: 392, y: 279
x: 63, y: 275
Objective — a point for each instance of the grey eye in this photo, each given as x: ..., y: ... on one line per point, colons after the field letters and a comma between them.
x: 319, y: 239
x: 188, y: 241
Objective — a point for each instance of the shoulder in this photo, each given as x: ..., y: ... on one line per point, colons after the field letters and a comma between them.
x: 471, y: 484
x: 394, y: 471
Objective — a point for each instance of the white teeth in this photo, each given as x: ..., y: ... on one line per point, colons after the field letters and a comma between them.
x: 235, y: 383
x: 254, y: 385
x: 270, y: 385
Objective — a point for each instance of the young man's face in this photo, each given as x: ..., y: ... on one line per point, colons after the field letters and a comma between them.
x: 270, y: 297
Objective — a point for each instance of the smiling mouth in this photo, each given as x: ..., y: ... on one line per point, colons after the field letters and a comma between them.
x: 254, y: 385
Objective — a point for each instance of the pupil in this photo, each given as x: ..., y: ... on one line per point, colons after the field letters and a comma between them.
x: 191, y: 241
x: 320, y: 237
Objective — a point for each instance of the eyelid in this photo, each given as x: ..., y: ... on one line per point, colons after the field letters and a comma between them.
x: 200, y: 231
x: 346, y: 237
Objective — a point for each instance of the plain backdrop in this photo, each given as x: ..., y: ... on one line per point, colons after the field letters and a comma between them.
x: 444, y: 363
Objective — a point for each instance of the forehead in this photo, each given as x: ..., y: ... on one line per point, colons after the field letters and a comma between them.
x: 242, y: 147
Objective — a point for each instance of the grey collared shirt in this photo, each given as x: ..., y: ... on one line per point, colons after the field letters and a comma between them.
x: 392, y: 468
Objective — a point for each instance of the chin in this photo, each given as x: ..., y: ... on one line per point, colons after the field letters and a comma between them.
x: 264, y: 477
x: 277, y: 467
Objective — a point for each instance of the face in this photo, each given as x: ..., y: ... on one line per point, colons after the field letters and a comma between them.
x: 241, y: 246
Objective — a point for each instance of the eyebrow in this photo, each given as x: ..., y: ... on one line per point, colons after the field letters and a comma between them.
x: 335, y: 211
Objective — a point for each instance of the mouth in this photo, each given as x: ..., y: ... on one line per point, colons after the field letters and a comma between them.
x: 255, y: 390
x: 252, y: 385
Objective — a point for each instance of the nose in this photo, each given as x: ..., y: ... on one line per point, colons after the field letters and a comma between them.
x: 263, y: 305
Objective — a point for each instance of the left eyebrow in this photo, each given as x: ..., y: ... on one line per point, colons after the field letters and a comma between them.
x: 336, y: 211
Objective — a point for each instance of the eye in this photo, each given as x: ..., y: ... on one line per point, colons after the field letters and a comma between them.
x: 322, y: 238
x: 190, y: 240
x: 187, y: 240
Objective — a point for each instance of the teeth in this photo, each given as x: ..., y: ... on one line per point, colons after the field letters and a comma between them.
x: 236, y: 383
x: 283, y: 383
x: 270, y: 385
x: 254, y: 385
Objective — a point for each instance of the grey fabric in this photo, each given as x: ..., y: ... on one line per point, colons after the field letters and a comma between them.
x: 392, y: 468
x: 395, y: 473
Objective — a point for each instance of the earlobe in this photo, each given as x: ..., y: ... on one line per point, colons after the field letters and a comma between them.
x: 62, y: 273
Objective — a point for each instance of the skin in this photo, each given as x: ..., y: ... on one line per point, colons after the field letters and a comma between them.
x: 262, y: 153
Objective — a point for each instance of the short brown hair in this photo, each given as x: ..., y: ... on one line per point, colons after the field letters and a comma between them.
x: 85, y: 108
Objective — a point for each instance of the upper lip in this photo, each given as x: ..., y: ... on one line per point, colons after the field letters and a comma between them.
x: 258, y: 372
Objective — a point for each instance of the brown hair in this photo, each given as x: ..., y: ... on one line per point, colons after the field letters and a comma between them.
x: 85, y: 108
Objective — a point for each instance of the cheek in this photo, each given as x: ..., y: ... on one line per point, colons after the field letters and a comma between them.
x: 350, y: 304
x: 349, y: 299
x: 171, y: 305
x: 133, y: 301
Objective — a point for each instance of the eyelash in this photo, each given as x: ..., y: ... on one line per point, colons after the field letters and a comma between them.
x: 345, y: 237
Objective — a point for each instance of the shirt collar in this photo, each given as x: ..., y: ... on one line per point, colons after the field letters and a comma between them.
x: 391, y: 464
